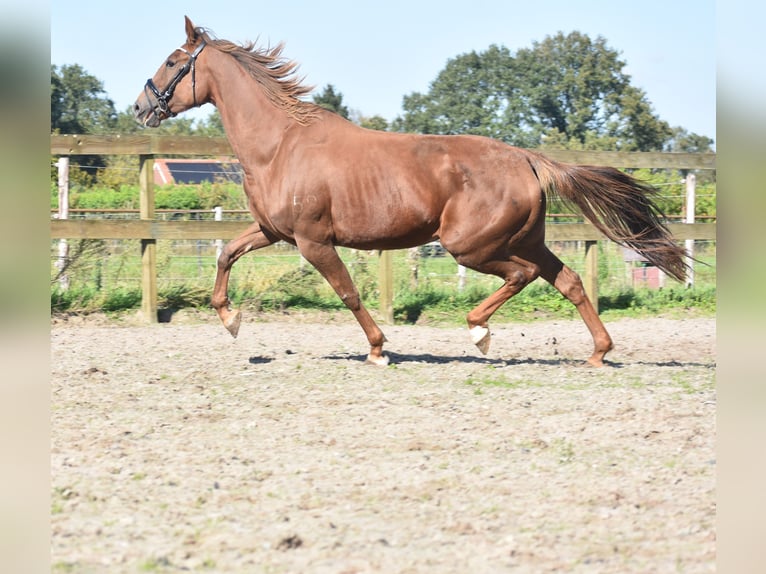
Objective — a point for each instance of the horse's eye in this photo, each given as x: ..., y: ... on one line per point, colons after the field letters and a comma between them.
x: 170, y: 63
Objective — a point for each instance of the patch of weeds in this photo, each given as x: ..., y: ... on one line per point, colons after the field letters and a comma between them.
x: 409, y: 305
x: 685, y: 385
x: 182, y: 296
x: 499, y: 382
x: 614, y: 380
x: 634, y: 383
x: 491, y: 510
x: 154, y: 564
x: 488, y: 382
x: 121, y: 298
x: 574, y: 386
x: 565, y: 450
x: 60, y: 494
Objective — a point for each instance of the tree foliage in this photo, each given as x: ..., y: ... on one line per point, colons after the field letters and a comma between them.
x: 566, y: 91
x: 474, y: 94
x: 331, y: 100
x: 374, y: 123
x: 79, y: 103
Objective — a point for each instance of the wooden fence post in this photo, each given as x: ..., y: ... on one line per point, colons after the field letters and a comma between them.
x: 218, y: 242
x: 148, y: 246
x: 461, y: 272
x: 691, y: 187
x: 590, y: 278
x: 63, y: 187
x: 386, y: 282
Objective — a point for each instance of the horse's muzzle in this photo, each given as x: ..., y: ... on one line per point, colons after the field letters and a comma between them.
x: 145, y: 114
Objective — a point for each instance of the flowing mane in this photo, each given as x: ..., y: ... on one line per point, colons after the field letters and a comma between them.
x: 273, y: 72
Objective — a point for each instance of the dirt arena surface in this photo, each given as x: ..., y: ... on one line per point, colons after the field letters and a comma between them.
x: 177, y: 448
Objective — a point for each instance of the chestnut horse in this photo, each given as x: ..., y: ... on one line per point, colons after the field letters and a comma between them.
x: 317, y: 181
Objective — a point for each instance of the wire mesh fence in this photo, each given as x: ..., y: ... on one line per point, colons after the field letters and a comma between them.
x: 109, y: 264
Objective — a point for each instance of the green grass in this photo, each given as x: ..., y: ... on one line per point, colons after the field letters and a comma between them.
x: 106, y: 277
x: 501, y: 382
x: 154, y: 564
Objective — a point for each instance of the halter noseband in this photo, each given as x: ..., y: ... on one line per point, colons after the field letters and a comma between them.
x: 164, y: 97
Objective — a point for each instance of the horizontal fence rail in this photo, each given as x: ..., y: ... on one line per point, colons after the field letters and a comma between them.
x: 196, y: 145
x: 149, y: 230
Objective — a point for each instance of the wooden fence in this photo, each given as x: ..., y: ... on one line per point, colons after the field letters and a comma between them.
x: 148, y: 229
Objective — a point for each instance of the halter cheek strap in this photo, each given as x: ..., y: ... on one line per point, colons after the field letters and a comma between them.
x: 163, y: 98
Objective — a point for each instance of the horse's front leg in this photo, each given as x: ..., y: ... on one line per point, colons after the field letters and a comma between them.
x: 252, y: 238
x: 325, y: 259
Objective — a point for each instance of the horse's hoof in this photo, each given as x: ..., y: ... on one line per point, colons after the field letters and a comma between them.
x: 481, y: 338
x: 379, y: 361
x: 232, y: 323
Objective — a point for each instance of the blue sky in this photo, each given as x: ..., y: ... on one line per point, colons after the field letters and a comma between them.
x: 377, y: 52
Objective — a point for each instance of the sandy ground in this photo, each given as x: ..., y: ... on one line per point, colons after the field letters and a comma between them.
x: 177, y: 448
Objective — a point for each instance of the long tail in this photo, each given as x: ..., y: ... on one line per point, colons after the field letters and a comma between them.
x: 619, y: 205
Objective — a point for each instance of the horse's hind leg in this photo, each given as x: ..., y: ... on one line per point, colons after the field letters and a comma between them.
x: 252, y: 238
x: 326, y: 260
x: 518, y: 273
x: 570, y: 285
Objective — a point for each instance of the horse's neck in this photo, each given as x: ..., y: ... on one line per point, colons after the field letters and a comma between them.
x: 253, y: 125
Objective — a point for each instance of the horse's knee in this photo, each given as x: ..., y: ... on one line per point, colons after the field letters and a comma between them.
x: 352, y: 300
x: 224, y: 259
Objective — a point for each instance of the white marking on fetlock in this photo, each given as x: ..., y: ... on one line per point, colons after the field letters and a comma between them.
x: 381, y: 361
x: 481, y: 338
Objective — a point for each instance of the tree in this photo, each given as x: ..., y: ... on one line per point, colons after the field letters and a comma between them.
x: 567, y: 91
x: 212, y: 126
x: 374, y: 123
x: 683, y: 141
x: 79, y: 103
x: 330, y: 100
x: 475, y: 94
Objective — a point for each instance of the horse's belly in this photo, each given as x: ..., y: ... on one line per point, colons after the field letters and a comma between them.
x: 384, y: 230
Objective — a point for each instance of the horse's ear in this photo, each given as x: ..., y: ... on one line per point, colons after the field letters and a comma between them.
x: 191, y: 31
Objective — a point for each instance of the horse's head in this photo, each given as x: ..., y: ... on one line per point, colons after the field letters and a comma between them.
x: 175, y: 87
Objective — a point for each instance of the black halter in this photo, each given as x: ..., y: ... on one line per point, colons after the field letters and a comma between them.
x: 164, y: 97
